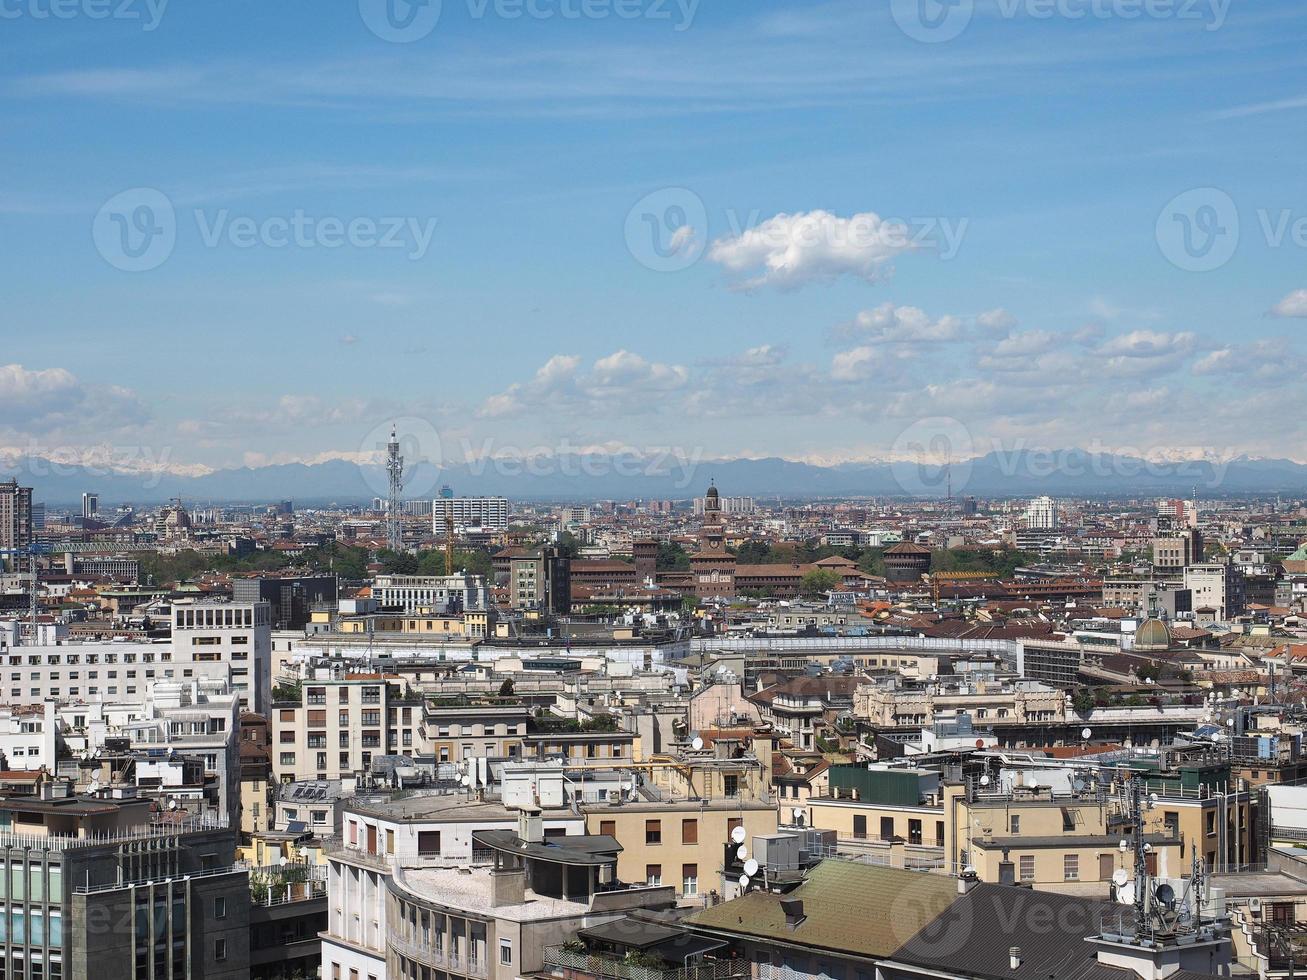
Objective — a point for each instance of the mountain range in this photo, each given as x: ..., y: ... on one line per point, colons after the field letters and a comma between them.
x: 1072, y: 472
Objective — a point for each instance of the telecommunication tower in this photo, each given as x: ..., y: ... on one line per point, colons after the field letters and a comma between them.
x: 395, y: 471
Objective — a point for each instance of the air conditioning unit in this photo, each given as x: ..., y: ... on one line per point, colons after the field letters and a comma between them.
x: 1255, y: 906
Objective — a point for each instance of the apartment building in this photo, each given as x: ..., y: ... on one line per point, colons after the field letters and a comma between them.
x: 381, y: 837
x: 60, y: 668
x: 237, y: 634
x: 454, y: 729
x: 15, y: 517
x: 337, y: 726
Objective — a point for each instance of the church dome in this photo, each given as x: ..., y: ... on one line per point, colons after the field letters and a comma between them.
x: 1152, y: 634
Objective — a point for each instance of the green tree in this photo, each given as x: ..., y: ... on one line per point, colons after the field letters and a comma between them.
x: 817, y: 581
x: 672, y: 558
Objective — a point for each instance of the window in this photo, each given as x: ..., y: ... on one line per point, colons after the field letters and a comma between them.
x: 428, y: 843
x: 914, y: 831
x: 220, y: 907
x: 220, y: 949
x: 390, y: 841
x: 886, y: 828
x: 689, y: 879
x: 860, y: 826
x: 1027, y: 867
x: 653, y: 874
x: 505, y: 952
x: 653, y: 832
x: 1014, y: 824
x: 689, y: 831
x: 939, y: 833
x: 1071, y: 867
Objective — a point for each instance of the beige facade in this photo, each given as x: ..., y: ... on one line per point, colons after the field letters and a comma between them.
x: 470, y: 729
x: 339, y: 726
x: 1014, y: 704
x: 679, y: 843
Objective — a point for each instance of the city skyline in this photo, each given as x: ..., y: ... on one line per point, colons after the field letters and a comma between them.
x: 670, y: 229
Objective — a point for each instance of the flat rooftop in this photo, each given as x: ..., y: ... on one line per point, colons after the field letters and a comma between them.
x: 472, y: 892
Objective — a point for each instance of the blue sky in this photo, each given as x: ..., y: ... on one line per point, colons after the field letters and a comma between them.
x: 477, y: 201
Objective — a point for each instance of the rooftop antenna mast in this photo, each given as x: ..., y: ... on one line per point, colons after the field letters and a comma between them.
x: 395, y: 471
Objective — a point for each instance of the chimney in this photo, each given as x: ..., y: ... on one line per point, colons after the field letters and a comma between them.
x: 967, y: 880
x: 530, y: 826
x: 793, y: 909
x: 1014, y: 958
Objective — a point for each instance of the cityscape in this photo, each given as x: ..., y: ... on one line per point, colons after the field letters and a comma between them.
x: 653, y: 490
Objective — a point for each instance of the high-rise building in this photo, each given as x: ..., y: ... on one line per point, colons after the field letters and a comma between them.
x: 542, y: 582
x: 90, y: 506
x: 1042, y: 514
x: 487, y: 513
x: 15, y: 516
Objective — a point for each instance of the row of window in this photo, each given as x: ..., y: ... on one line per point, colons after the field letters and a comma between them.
x: 653, y: 876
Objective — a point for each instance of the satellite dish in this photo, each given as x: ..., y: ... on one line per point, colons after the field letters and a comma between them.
x: 798, y: 813
x: 1126, y: 894
x: 1148, y: 848
x: 737, y: 835
x: 751, y: 867
x: 697, y: 743
x: 172, y: 804
x: 466, y: 780
x: 741, y: 852
x: 744, y: 881
x: 984, y: 780
x: 1086, y: 732
x: 1120, y: 877
x: 1165, y: 894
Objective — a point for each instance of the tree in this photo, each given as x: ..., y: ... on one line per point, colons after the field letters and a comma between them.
x: 1083, y: 701
x: 506, y: 688
x: 672, y: 558
x: 568, y: 544
x: 752, y: 553
x: 817, y: 581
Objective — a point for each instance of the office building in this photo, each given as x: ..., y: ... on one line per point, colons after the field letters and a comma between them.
x: 436, y: 593
x: 1042, y: 514
x: 90, y: 506
x: 542, y: 582
x: 291, y: 598
x: 102, y: 887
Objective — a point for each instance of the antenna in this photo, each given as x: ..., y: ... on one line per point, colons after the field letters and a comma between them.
x: 395, y: 472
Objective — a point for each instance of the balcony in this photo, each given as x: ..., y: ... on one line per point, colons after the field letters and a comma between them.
x: 579, y: 965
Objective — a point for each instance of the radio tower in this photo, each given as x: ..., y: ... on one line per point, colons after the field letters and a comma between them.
x: 395, y: 470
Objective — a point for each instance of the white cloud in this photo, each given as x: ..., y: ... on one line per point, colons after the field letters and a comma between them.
x: 855, y: 365
x: 56, y: 399
x: 998, y: 321
x: 621, y: 382
x: 790, y: 251
x: 892, y: 324
x: 1294, y: 305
